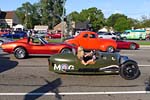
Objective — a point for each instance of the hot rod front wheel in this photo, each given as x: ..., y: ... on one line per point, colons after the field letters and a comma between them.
x: 65, y: 50
x: 129, y: 70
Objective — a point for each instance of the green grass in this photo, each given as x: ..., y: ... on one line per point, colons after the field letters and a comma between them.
x: 55, y: 40
x: 143, y: 42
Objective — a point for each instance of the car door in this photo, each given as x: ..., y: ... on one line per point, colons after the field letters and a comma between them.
x: 108, y: 35
x: 121, y: 44
x: 83, y: 41
x: 92, y: 41
x: 36, y: 47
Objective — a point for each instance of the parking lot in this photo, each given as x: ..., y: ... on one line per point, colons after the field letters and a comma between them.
x: 30, y: 79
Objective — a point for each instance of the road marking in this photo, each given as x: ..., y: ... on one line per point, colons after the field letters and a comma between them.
x: 78, y: 93
x: 144, y: 65
x: 143, y: 48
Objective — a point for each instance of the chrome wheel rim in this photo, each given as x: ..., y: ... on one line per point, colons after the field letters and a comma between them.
x: 133, y: 47
x: 20, y: 53
x: 110, y: 49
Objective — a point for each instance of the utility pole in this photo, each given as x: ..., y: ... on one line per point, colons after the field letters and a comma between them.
x: 62, y: 19
x: 26, y: 17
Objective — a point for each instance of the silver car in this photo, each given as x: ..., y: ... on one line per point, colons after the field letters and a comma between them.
x: 106, y: 35
x: 5, y: 40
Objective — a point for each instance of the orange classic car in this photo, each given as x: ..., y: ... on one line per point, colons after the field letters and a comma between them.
x: 89, y: 40
x: 35, y: 46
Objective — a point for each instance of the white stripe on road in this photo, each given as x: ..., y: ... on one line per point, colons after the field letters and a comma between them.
x: 144, y: 65
x: 79, y: 93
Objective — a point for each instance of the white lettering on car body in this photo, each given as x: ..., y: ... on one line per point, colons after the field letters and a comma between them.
x: 63, y: 67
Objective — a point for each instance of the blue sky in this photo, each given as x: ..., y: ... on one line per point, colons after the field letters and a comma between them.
x: 131, y: 8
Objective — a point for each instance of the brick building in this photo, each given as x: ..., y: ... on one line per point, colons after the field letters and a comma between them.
x: 8, y: 18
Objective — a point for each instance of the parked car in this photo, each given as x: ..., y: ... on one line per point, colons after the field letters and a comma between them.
x: 35, y: 46
x: 3, y: 32
x: 106, y: 63
x: 148, y: 36
x: 106, y: 35
x: 54, y: 35
x: 121, y: 44
x: 133, y: 34
x: 40, y: 34
x: 5, y: 40
x: 15, y: 34
x: 90, y: 40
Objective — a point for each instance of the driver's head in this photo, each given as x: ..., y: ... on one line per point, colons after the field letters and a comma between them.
x: 80, y: 48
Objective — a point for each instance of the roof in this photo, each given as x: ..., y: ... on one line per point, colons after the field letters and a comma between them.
x: 82, y: 25
x: 7, y: 15
x: 59, y: 26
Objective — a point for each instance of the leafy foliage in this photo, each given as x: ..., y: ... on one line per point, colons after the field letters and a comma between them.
x: 50, y: 12
x: 93, y: 15
x: 45, y: 12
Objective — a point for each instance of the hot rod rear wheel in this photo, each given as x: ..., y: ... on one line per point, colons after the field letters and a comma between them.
x: 129, y: 70
x: 20, y: 53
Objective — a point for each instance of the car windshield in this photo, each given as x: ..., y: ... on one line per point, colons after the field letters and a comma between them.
x: 43, y: 41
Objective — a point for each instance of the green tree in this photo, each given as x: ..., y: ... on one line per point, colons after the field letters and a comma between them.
x: 52, y: 11
x: 45, y: 12
x: 145, y: 22
x: 74, y: 16
x: 93, y: 15
x: 113, y: 18
x: 26, y: 14
x: 122, y: 24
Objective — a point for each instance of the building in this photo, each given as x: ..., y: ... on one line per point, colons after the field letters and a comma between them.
x: 41, y: 28
x: 8, y: 18
x: 60, y: 26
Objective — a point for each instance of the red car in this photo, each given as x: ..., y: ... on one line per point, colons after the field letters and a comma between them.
x: 3, y: 32
x: 127, y: 45
x: 35, y: 46
x: 54, y: 35
x: 148, y: 36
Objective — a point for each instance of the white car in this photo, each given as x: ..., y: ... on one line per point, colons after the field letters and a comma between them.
x: 106, y: 35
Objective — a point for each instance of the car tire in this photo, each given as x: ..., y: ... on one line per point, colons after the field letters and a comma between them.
x: 65, y: 50
x: 110, y: 49
x: 140, y: 38
x: 1, y: 42
x: 124, y: 38
x: 147, y: 39
x: 20, y: 53
x: 114, y: 38
x: 132, y: 46
x: 129, y: 70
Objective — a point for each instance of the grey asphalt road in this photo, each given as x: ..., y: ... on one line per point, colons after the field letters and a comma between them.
x: 19, y: 79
